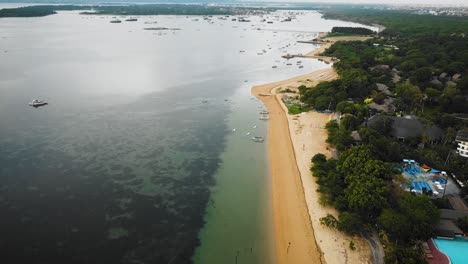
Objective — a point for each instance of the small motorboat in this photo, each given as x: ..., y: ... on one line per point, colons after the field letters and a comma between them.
x: 264, y: 117
x: 116, y: 21
x: 37, y: 103
x: 258, y: 139
x: 264, y: 112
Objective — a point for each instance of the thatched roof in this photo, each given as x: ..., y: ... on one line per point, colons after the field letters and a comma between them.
x: 462, y: 135
x: 447, y: 228
x: 452, y: 214
x: 409, y: 127
x: 355, y: 135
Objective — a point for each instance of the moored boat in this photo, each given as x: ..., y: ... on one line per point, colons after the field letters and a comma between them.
x: 37, y: 103
x: 258, y: 139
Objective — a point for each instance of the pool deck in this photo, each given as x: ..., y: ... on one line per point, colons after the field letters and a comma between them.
x: 438, y: 257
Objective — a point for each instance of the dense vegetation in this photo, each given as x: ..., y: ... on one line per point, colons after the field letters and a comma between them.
x: 38, y: 11
x: 418, y: 66
x: 401, y: 22
x: 352, y: 30
x: 428, y: 64
x: 148, y: 9
x: 423, y: 75
x: 365, y: 190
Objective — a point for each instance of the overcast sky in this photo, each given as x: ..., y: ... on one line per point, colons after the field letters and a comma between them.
x: 400, y: 2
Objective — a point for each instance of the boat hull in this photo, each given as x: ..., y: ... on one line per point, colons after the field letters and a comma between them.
x: 38, y: 104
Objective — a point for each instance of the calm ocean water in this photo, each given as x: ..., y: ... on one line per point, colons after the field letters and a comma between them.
x: 136, y: 150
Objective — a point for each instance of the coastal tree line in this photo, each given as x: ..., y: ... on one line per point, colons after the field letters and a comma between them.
x: 352, y: 30
x: 147, y: 9
x: 417, y: 66
x: 436, y: 89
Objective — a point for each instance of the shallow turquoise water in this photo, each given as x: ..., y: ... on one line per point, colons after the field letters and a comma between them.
x: 456, y: 249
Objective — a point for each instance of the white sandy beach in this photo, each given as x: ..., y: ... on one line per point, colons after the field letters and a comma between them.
x: 292, y: 142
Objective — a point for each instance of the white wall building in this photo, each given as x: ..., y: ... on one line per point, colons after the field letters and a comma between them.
x: 462, y: 140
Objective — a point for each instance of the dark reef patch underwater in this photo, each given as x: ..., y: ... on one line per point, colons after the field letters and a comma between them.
x: 122, y: 185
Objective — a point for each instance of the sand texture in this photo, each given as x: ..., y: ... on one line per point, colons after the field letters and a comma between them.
x: 292, y: 142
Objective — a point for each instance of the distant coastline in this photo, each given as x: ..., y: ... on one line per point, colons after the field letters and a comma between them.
x: 132, y: 10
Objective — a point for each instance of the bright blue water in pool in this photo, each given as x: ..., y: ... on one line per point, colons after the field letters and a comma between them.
x: 456, y: 249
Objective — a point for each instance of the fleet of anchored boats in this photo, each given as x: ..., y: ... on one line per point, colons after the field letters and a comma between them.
x: 264, y: 115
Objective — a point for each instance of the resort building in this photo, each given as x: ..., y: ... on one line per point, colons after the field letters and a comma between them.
x: 462, y: 140
x: 408, y: 127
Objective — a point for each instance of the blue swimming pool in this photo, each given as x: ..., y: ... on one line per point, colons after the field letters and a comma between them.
x: 456, y: 249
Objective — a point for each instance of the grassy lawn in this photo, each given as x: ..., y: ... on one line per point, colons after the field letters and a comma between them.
x: 294, y: 109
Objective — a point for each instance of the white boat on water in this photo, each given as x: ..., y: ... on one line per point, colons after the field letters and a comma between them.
x: 258, y: 139
x: 264, y: 117
x: 37, y: 103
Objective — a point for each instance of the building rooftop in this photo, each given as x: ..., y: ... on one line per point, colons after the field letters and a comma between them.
x: 355, y: 135
x: 447, y: 228
x: 452, y: 214
x: 408, y: 127
x: 462, y: 135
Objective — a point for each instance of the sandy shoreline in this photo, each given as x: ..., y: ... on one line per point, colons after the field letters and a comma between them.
x: 292, y: 141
